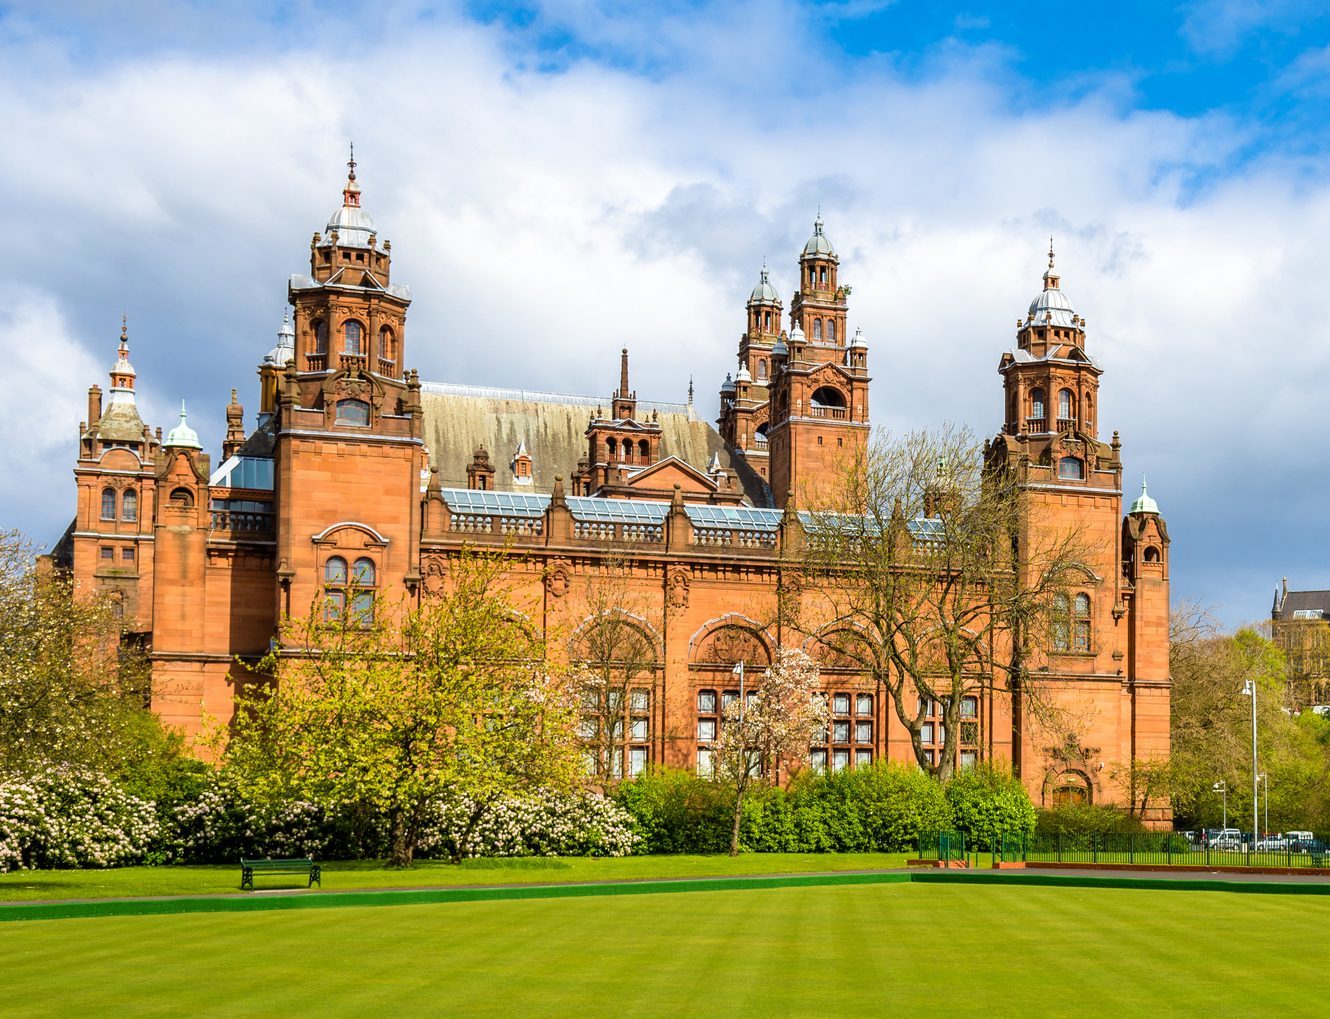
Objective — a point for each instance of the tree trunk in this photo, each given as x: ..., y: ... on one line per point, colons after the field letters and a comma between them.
x: 459, y: 846
x: 403, y: 841
x: 738, y: 818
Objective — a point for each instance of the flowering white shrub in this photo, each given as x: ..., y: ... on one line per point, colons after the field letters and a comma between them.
x: 537, y: 824
x: 221, y: 825
x: 72, y: 818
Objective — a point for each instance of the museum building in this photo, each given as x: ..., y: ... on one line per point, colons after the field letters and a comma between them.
x: 359, y: 482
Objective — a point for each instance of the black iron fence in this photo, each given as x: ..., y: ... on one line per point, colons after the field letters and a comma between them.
x: 1148, y: 848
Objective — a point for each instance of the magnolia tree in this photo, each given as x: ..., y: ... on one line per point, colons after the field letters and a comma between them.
x: 774, y: 724
x: 388, y: 711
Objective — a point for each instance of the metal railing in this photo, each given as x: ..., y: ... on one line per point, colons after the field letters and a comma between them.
x: 943, y: 846
x: 1164, y: 849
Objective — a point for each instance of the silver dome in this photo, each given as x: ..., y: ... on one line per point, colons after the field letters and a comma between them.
x: 353, y: 225
x: 818, y: 245
x: 764, y: 292
x: 1052, y: 307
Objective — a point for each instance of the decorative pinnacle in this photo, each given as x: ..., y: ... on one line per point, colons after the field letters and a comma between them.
x: 124, y: 328
x: 690, y: 389
x: 1050, y: 251
x: 351, y: 163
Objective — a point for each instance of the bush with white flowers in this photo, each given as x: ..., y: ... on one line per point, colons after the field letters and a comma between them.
x: 537, y: 824
x: 68, y: 817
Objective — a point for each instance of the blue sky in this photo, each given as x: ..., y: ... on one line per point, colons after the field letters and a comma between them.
x: 561, y: 179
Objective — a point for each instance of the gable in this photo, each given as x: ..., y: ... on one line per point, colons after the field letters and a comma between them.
x: 667, y: 473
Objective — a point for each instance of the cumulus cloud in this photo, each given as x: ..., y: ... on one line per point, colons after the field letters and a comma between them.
x: 550, y: 201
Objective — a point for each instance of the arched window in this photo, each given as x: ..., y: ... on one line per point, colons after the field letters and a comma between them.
x: 822, y: 273
x: 611, y: 448
x: 386, y: 349
x: 762, y: 369
x: 108, y: 503
x: 1037, y: 409
x: 1071, y: 468
x: 1080, y: 623
x: 828, y: 396
x: 644, y: 449
x: 334, y: 591
x: 182, y: 498
x: 831, y: 330
x: 320, y: 336
x: 817, y: 329
x: 1061, y: 622
x: 352, y: 412
x: 1064, y: 408
x: 363, y: 578
x: 129, y: 506
x: 351, y: 338
x: 767, y: 316
x: 1089, y: 412
x: 1152, y: 555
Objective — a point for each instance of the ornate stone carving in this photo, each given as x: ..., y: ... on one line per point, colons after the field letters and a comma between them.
x: 731, y: 644
x: 434, y: 573
x: 558, y: 578
x: 676, y: 587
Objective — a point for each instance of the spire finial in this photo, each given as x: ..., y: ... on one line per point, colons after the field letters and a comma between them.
x: 623, y: 373
x: 124, y: 328
x: 182, y: 411
x: 1050, y: 251
x: 351, y: 163
x: 690, y: 390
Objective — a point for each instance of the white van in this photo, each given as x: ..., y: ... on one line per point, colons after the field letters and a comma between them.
x: 1299, y: 836
x: 1227, y: 838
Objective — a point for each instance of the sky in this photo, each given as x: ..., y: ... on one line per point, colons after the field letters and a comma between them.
x: 562, y: 179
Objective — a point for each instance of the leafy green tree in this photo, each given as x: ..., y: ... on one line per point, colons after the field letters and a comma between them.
x: 988, y: 802
x: 73, y: 691
x: 386, y: 712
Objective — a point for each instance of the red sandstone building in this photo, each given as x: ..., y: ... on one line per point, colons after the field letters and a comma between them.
x: 360, y: 480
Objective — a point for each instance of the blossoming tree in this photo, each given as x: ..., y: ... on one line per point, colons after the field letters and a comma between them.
x: 772, y: 725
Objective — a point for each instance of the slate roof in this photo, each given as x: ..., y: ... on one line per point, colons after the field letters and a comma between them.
x: 459, y: 418
x: 1305, y: 601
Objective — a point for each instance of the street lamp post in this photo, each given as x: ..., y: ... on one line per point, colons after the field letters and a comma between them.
x: 1249, y: 689
x: 1221, y: 787
x: 1265, y: 789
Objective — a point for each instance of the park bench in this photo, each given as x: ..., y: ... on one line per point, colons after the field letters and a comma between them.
x: 249, y: 868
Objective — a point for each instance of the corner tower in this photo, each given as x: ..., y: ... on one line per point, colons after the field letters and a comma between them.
x: 348, y: 454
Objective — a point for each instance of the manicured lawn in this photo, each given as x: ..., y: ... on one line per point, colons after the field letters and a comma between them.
x: 911, y: 950
x: 342, y: 876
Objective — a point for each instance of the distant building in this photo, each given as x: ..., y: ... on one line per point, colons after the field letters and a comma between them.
x: 358, y: 481
x: 1300, y: 625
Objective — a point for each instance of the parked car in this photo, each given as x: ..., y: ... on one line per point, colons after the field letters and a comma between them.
x: 1299, y: 836
x: 1228, y: 838
x: 1272, y: 843
x: 1316, y: 847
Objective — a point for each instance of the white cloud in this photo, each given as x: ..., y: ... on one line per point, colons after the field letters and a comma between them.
x: 544, y: 220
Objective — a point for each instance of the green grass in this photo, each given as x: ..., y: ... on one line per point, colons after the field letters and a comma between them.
x: 22, y: 886
x: 902, y: 949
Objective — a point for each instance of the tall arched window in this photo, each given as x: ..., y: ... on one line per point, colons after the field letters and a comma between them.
x: 108, y: 503
x: 129, y: 506
x: 1064, y: 406
x: 831, y: 330
x: 334, y: 589
x: 817, y: 329
x: 1037, y: 409
x: 644, y: 448
x: 1061, y: 629
x: 364, y: 578
x: 762, y: 368
x: 352, y: 335
x: 387, y: 350
x: 320, y: 337
x: 1080, y: 623
x: 611, y: 448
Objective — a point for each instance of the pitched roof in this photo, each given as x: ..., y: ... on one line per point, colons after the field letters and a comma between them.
x: 553, y: 426
x: 1305, y: 601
